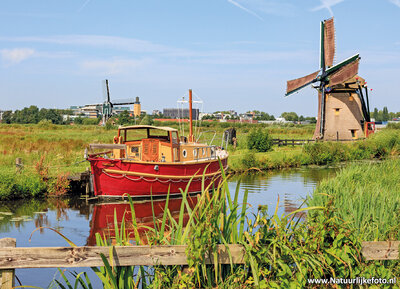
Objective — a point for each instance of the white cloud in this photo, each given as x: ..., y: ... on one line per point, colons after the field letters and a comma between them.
x: 113, y: 42
x: 328, y: 4
x: 395, y: 2
x: 16, y: 55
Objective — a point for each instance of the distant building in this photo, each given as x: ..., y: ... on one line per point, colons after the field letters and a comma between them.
x: 180, y: 113
x: 156, y: 112
x: 96, y: 110
x: 136, y: 107
x: 1, y: 115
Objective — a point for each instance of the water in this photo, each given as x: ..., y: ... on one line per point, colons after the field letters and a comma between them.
x: 80, y: 221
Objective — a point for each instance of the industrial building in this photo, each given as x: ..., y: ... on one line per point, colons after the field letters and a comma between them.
x: 180, y: 113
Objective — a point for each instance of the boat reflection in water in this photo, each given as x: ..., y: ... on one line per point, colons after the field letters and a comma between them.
x: 103, y: 221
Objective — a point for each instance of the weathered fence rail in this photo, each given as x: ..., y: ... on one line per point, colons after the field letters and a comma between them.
x: 383, y: 250
x: 12, y: 257
x: 292, y: 142
x: 300, y: 142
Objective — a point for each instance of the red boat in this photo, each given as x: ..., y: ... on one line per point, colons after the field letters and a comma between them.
x: 148, y: 160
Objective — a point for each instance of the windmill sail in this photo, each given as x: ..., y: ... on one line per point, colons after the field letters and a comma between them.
x: 329, y: 42
x: 298, y: 83
x: 344, y: 73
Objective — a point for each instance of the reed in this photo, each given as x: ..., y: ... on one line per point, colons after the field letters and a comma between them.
x: 281, y: 251
x: 367, y: 197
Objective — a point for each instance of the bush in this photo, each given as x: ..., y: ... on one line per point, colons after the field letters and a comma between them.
x: 46, y: 124
x: 90, y: 121
x: 393, y: 125
x: 249, y: 160
x: 18, y: 186
x: 259, y: 140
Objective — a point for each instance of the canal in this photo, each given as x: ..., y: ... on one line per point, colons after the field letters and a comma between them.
x: 79, y: 221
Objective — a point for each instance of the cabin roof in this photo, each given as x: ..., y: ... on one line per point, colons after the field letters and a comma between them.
x: 166, y: 128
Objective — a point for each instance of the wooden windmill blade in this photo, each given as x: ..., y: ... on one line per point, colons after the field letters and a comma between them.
x: 296, y: 84
x: 328, y: 46
x: 344, y: 73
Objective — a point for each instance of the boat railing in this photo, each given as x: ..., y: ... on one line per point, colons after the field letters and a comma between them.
x: 107, y: 147
x: 211, y: 148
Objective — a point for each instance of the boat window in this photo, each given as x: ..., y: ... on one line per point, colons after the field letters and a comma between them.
x: 195, y: 152
x: 184, y: 153
x: 174, y: 137
x: 159, y: 133
x: 204, y: 151
x: 135, y: 134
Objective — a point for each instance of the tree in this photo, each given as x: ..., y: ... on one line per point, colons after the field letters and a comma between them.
x: 147, y: 120
x: 7, y: 116
x: 123, y: 117
x: 375, y: 114
x: 51, y: 114
x: 26, y: 115
x: 385, y: 114
x: 290, y: 116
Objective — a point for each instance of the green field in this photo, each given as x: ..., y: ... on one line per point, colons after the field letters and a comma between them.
x: 51, y: 152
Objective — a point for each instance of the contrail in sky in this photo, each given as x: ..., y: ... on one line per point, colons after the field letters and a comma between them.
x: 395, y: 2
x: 245, y: 9
x: 83, y: 6
x: 327, y: 4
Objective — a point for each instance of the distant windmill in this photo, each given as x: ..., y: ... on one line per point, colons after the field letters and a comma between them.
x: 343, y: 113
x: 107, y: 108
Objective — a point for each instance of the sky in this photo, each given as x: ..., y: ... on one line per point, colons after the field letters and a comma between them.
x: 234, y: 54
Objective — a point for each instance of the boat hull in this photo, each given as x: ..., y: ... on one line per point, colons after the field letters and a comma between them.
x: 115, y: 177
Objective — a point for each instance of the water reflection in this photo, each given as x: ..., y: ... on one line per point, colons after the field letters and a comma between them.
x: 107, y: 215
x: 80, y: 221
x: 288, y: 187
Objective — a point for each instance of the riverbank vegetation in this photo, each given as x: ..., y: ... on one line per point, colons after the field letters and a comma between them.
x: 281, y: 251
x: 367, y: 197
x: 51, y: 152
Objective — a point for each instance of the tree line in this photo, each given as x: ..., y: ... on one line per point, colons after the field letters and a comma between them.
x: 384, y: 114
x: 33, y: 115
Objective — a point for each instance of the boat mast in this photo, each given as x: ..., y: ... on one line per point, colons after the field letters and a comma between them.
x: 191, y: 138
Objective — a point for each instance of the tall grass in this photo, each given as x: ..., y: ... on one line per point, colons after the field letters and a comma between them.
x: 367, y: 197
x: 281, y: 251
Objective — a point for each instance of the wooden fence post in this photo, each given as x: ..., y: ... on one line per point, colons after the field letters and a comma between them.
x: 18, y: 165
x: 7, y: 275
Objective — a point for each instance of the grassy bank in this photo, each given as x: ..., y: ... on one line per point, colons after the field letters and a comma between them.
x: 366, y: 197
x: 384, y: 144
x: 52, y: 152
x: 281, y: 251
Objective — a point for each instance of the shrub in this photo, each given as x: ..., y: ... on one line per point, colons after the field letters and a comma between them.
x: 249, y: 160
x: 90, y: 121
x: 259, y: 140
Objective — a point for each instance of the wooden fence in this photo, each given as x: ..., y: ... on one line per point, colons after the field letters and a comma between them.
x: 300, y: 142
x: 292, y: 142
x: 12, y: 257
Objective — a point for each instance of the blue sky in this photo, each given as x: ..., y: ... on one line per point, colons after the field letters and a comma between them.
x: 234, y: 54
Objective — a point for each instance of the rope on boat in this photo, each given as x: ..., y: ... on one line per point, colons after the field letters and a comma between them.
x: 139, y: 174
x: 156, y: 178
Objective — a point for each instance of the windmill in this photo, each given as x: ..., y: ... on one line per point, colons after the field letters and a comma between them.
x: 343, y: 113
x: 107, y: 107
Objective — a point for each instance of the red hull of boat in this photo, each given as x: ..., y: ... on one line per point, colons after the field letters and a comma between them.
x: 113, y: 177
